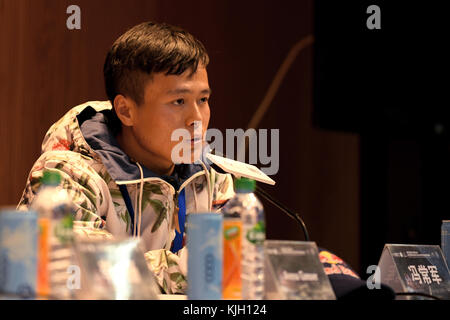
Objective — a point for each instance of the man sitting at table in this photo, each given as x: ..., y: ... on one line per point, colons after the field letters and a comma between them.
x: 114, y: 156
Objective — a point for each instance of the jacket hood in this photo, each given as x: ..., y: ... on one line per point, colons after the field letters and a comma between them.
x: 85, y: 129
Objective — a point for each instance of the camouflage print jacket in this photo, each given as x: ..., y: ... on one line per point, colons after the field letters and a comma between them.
x: 105, y: 185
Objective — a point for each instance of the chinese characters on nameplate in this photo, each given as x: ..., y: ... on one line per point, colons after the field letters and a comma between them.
x: 415, y: 269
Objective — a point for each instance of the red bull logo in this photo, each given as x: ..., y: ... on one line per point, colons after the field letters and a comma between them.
x: 328, y: 257
x: 336, y: 264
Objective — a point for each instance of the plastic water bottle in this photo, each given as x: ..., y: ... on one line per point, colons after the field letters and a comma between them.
x: 251, y: 212
x: 55, y: 254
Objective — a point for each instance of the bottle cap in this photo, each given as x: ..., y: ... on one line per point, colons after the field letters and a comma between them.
x: 244, y: 185
x: 51, y: 178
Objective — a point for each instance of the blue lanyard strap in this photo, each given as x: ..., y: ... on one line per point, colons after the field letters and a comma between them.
x: 126, y: 198
x: 178, y: 241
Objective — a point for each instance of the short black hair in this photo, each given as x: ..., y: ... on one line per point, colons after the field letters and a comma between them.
x: 145, y: 49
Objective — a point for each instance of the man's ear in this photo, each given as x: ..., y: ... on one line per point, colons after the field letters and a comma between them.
x: 125, y: 109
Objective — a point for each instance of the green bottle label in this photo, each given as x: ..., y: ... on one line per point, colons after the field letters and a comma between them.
x: 63, y: 229
x: 257, y: 234
x: 231, y: 232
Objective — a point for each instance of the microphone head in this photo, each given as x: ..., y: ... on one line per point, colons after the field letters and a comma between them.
x: 347, y: 284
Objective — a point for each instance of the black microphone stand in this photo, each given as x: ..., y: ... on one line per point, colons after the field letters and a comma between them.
x: 290, y: 213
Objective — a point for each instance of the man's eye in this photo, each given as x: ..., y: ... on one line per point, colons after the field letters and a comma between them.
x: 178, y: 102
x: 204, y: 100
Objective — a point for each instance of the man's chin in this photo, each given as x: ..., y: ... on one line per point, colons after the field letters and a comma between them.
x: 190, y: 154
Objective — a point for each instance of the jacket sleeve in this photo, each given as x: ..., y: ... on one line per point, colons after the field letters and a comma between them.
x: 78, y: 179
x: 170, y: 269
x: 91, y: 198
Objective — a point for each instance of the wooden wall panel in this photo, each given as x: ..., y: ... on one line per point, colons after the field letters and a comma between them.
x: 45, y: 69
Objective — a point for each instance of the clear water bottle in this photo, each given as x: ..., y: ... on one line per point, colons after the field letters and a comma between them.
x: 55, y: 244
x: 252, y: 237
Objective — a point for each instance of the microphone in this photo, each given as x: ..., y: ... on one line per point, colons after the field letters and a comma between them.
x: 259, y: 191
x: 291, y: 214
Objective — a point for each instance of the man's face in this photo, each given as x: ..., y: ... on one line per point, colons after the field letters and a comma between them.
x: 171, y: 102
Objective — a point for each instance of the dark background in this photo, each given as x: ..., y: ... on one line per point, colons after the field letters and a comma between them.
x: 389, y: 87
x: 357, y: 178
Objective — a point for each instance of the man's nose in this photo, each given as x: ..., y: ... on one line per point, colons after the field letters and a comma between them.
x: 194, y: 116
